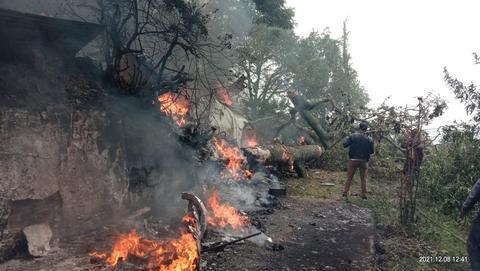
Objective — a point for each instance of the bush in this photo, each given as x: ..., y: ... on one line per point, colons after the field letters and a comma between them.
x: 450, y: 170
x: 334, y: 159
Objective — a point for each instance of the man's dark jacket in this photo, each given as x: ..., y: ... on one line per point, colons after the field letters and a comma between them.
x: 473, y: 198
x: 473, y: 244
x: 361, y: 146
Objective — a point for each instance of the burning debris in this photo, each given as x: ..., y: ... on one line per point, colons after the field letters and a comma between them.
x: 175, y: 106
x: 173, y: 254
x: 198, y: 215
x: 301, y: 140
x: 181, y: 253
x: 235, y: 160
x: 77, y: 135
x: 250, y: 140
x: 223, y: 96
x: 224, y: 215
x: 219, y: 246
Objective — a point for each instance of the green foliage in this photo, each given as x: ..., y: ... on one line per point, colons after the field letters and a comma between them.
x: 468, y: 94
x: 334, y: 159
x: 323, y: 69
x: 263, y: 59
x: 274, y: 13
x: 451, y: 169
x: 386, y: 163
x: 273, y: 60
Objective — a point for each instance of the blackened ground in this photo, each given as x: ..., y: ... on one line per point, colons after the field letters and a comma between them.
x: 308, y: 234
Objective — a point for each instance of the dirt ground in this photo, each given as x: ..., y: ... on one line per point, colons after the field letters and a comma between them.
x: 307, y: 234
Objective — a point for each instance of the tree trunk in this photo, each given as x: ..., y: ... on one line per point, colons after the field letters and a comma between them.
x: 303, y: 107
x: 280, y: 154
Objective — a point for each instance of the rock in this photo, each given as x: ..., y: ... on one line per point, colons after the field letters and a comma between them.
x: 276, y: 247
x: 38, y: 239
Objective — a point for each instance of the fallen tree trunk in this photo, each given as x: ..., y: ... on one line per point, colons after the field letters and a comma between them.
x: 282, y: 155
x: 303, y: 107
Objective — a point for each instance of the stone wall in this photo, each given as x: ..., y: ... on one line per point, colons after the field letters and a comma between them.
x: 61, y: 151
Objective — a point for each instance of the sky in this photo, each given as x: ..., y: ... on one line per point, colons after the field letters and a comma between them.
x: 399, y: 48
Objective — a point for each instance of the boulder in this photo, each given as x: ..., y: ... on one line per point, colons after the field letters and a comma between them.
x: 38, y: 239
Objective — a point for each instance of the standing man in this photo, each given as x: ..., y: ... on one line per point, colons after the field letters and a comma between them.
x: 414, y: 145
x: 360, y: 148
x: 473, y: 244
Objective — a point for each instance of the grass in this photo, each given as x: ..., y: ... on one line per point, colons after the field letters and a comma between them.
x: 312, y: 186
x: 434, y: 234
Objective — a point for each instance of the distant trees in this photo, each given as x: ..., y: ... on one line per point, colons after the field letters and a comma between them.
x: 323, y: 70
x: 263, y: 60
x: 274, y: 60
x: 274, y: 13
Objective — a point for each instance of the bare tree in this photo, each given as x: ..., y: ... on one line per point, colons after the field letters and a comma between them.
x: 153, y: 45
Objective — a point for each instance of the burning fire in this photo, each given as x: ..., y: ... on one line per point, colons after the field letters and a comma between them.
x: 250, y: 140
x: 287, y: 156
x: 175, y: 106
x: 301, y: 140
x: 224, y: 97
x: 164, y: 255
x: 248, y: 174
x: 234, y: 157
x: 223, y: 215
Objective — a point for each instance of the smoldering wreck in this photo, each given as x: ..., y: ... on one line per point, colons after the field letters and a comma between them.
x: 94, y: 180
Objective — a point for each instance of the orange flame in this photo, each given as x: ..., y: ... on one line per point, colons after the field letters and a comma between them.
x: 175, y: 106
x: 286, y: 155
x: 165, y: 255
x: 248, y: 174
x: 234, y: 157
x: 223, y: 96
x: 223, y: 215
x: 301, y: 140
x: 250, y: 140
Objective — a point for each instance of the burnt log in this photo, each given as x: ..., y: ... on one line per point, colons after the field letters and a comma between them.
x: 282, y: 155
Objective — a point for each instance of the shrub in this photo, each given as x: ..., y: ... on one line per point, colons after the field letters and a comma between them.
x: 451, y: 169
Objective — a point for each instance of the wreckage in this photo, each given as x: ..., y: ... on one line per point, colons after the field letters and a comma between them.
x: 67, y: 165
x: 134, y: 252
